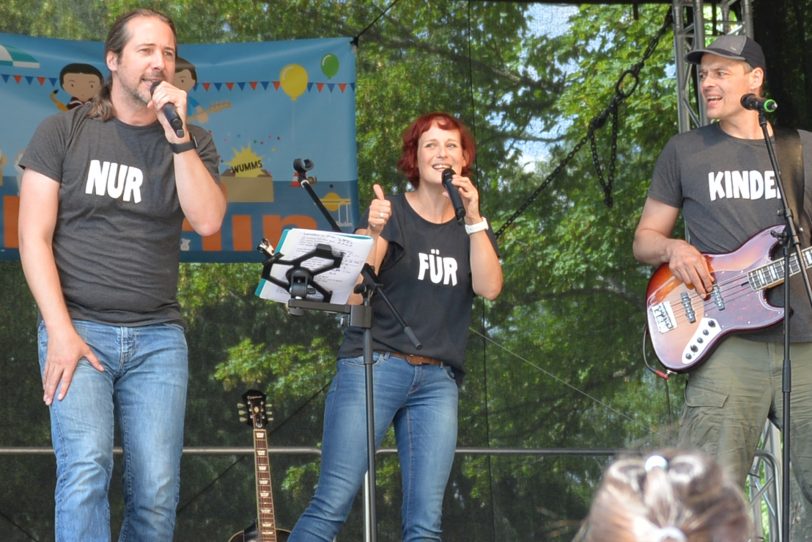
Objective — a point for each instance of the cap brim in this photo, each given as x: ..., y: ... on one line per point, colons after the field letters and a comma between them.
x: 695, y: 57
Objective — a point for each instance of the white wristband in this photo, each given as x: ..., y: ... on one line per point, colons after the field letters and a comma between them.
x: 479, y: 226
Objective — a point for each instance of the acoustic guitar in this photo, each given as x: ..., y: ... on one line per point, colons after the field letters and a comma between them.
x: 255, y: 413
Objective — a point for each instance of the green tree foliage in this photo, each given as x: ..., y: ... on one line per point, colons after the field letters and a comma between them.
x: 554, y: 363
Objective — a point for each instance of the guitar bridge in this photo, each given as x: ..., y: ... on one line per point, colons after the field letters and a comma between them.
x: 663, y: 316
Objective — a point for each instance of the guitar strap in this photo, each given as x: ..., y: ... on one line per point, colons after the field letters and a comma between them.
x: 791, y: 162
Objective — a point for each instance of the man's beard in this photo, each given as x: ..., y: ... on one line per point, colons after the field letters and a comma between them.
x: 136, y: 95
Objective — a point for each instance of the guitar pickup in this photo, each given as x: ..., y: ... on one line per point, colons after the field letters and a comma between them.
x: 690, y: 314
x: 716, y: 296
x: 663, y: 316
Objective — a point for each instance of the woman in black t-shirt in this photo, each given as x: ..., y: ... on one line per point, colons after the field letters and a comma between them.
x: 431, y: 265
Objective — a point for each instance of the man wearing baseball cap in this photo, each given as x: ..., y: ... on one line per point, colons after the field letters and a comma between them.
x: 721, y: 179
x: 735, y: 47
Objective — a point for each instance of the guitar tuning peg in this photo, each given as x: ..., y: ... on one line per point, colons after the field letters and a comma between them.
x: 243, y: 419
x: 240, y: 405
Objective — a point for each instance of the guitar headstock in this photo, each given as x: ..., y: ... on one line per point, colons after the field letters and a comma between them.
x: 253, y: 410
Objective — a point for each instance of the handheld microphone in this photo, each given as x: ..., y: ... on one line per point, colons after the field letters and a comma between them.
x: 454, y: 194
x: 170, y: 113
x: 754, y: 103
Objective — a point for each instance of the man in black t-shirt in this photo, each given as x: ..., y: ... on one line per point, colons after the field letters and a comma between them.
x: 721, y: 179
x: 104, y: 193
x: 431, y: 267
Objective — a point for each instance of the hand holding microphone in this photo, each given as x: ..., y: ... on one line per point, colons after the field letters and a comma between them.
x: 170, y: 112
x: 454, y: 194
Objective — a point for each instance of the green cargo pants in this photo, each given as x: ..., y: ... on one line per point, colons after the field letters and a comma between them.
x: 729, y: 397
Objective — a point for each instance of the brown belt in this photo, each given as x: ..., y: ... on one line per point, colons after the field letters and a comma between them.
x: 415, y: 359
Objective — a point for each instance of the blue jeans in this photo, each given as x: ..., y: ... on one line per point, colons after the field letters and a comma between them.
x: 144, y: 382
x: 421, y: 402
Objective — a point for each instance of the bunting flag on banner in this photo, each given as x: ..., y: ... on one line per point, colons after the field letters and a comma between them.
x: 266, y: 104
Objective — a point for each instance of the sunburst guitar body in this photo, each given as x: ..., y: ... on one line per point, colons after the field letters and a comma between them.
x: 685, y: 328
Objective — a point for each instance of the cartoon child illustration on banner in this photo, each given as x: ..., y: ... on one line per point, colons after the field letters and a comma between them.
x: 81, y: 82
x: 186, y: 79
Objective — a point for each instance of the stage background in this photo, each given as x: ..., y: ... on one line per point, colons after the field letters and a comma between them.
x: 555, y: 366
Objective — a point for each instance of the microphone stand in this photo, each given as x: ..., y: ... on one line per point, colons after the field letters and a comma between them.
x: 361, y: 317
x: 791, y: 247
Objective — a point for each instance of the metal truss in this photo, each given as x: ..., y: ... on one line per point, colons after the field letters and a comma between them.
x: 764, y: 486
x: 694, y: 21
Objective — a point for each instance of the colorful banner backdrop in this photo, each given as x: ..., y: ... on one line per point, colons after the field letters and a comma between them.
x: 266, y: 104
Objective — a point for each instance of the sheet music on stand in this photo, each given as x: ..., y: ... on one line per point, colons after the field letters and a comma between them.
x: 297, y: 242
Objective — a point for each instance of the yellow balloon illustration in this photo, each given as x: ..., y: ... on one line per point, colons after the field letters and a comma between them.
x: 293, y: 79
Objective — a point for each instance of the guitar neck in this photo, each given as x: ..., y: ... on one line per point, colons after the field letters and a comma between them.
x: 772, y: 274
x: 266, y: 519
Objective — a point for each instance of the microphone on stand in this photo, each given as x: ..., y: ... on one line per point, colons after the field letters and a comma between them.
x: 302, y: 167
x: 754, y: 103
x: 454, y: 194
x: 170, y: 113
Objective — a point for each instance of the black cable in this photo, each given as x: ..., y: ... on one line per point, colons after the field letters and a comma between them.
x: 665, y: 375
x: 18, y: 526
x: 357, y: 37
x: 211, y: 484
x: 473, y: 123
x: 668, y: 405
x: 488, y: 458
x: 596, y: 123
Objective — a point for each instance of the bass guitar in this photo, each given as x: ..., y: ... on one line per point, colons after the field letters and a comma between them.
x: 254, y: 412
x: 685, y: 328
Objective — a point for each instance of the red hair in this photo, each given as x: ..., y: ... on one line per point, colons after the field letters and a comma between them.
x: 408, y: 156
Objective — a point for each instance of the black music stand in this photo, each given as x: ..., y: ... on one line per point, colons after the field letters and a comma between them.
x: 301, y: 284
x: 299, y: 280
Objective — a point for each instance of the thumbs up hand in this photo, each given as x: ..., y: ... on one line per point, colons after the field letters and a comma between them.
x: 380, y: 210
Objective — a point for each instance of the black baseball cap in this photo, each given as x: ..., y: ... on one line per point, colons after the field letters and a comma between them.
x: 734, y: 47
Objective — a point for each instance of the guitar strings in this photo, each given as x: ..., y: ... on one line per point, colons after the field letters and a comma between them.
x: 709, y: 305
x: 739, y: 286
x: 742, y: 282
